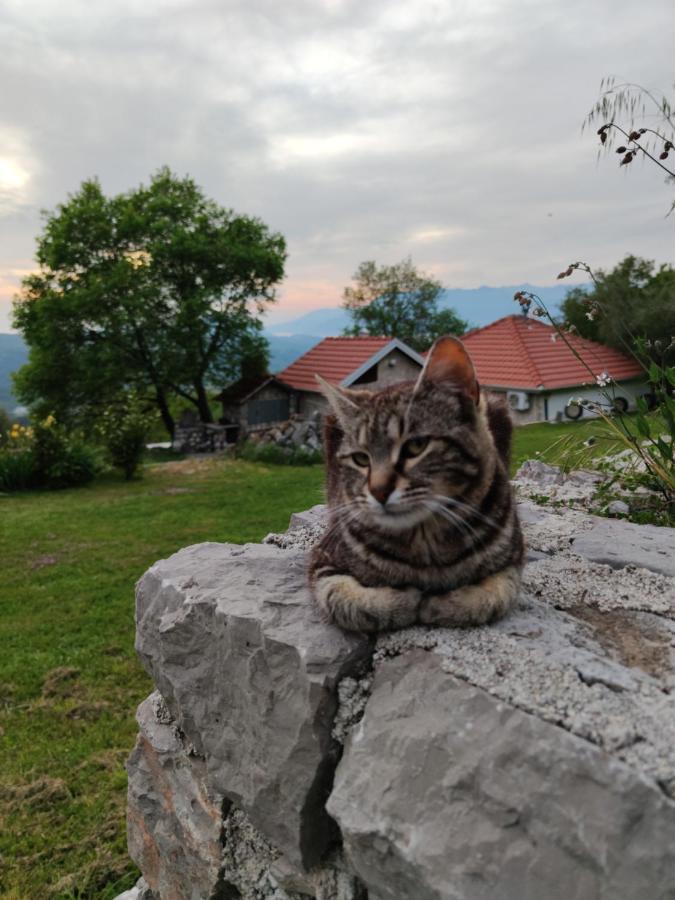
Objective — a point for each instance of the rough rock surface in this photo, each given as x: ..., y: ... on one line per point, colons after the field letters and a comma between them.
x: 249, y: 672
x: 444, y: 792
x: 532, y: 759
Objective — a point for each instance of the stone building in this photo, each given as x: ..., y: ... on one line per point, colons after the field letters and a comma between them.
x: 372, y: 362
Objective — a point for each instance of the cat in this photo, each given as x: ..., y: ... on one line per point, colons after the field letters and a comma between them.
x: 422, y: 523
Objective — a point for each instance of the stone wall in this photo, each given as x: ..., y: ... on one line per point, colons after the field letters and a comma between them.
x: 282, y: 759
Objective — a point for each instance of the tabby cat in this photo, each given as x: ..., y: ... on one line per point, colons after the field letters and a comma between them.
x: 422, y: 523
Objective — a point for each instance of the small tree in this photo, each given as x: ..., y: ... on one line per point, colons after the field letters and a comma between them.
x: 398, y: 301
x: 5, y: 425
x: 124, y: 428
x: 632, y: 300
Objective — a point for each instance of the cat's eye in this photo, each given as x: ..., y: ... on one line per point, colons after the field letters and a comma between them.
x: 361, y: 459
x: 414, y: 447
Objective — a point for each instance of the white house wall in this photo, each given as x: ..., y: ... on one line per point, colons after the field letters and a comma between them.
x: 558, y: 400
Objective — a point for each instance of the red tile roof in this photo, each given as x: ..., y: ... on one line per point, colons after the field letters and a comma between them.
x: 520, y: 352
x: 334, y: 358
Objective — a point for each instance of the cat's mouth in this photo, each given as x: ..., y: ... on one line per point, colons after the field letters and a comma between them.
x: 398, y: 518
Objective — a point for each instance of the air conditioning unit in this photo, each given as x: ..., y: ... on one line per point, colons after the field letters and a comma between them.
x: 518, y: 400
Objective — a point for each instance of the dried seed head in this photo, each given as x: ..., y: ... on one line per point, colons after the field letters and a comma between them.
x: 627, y: 159
x: 621, y: 149
x: 634, y: 135
x: 663, y: 155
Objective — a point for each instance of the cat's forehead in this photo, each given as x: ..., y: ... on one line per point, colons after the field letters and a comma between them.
x: 396, y: 412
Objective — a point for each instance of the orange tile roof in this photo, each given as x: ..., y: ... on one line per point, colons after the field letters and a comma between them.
x: 334, y: 358
x: 522, y: 352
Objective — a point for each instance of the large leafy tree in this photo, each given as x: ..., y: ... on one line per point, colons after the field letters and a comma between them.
x: 633, y: 300
x: 398, y: 301
x: 156, y: 290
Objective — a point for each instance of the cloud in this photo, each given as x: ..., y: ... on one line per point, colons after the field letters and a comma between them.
x: 360, y: 130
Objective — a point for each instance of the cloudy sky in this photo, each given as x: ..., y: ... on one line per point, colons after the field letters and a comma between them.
x: 360, y: 129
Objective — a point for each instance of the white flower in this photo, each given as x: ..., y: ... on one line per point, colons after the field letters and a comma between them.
x: 590, y: 315
x: 603, y: 379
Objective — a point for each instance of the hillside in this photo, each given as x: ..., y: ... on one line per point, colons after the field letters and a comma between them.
x: 13, y: 354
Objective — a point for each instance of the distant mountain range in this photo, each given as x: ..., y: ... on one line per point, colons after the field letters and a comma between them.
x: 288, y: 340
x: 13, y: 354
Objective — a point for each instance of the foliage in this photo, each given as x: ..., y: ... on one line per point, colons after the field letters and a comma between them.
x: 155, y: 290
x: 618, y: 107
x: 642, y: 433
x: 273, y: 454
x: 398, y: 301
x: 124, y: 428
x: 70, y: 560
x: 5, y: 425
x: 45, y: 456
x: 632, y: 299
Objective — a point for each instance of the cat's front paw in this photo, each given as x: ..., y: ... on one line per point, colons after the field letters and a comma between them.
x: 473, y: 604
x: 347, y: 603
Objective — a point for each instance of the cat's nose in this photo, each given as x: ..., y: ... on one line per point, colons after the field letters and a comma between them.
x: 381, y: 490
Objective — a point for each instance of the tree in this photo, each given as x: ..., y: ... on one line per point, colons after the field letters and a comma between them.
x: 155, y: 290
x: 398, y: 301
x: 634, y: 299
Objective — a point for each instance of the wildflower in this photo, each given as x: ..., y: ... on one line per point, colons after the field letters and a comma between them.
x: 49, y: 421
x: 591, y: 314
x: 603, y: 379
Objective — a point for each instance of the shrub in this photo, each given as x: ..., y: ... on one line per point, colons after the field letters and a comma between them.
x: 124, y: 428
x: 16, y: 470
x: 45, y: 456
x: 273, y: 454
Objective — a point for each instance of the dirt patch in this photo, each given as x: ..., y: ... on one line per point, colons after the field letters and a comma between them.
x: 39, y: 794
x: 61, y: 682
x: 40, y: 562
x: 633, y: 641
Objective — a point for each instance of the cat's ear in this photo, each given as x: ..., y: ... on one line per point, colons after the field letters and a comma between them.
x: 448, y: 361
x: 341, y: 401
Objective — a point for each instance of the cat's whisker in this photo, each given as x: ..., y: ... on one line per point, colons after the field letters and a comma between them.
x: 466, y: 507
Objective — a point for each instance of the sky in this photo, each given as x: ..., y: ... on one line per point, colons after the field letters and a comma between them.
x: 360, y: 129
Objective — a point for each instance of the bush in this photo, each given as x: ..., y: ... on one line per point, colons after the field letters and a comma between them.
x: 17, y: 469
x: 273, y: 454
x: 124, y: 428
x: 45, y: 456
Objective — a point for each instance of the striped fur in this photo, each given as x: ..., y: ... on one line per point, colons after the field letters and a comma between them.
x: 422, y: 526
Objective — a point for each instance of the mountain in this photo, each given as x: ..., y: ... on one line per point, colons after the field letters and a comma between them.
x: 284, y: 349
x: 479, y: 306
x: 13, y: 354
x: 327, y: 321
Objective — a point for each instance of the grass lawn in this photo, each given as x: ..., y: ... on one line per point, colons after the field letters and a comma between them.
x: 69, y: 679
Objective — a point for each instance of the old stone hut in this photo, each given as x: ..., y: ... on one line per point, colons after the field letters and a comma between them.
x: 255, y: 405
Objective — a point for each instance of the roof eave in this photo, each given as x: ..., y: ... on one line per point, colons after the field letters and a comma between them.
x: 394, y: 344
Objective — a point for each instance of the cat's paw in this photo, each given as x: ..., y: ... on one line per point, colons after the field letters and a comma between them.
x: 347, y: 603
x: 473, y: 604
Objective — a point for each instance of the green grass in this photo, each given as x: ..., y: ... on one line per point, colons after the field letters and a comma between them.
x: 69, y: 678
x: 551, y: 442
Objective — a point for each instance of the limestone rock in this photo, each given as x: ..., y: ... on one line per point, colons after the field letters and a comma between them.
x: 174, y: 821
x: 237, y: 650
x: 619, y: 543
x: 446, y: 793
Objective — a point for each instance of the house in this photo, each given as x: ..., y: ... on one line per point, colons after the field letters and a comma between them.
x: 371, y: 362
x: 526, y: 359
x: 348, y: 361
